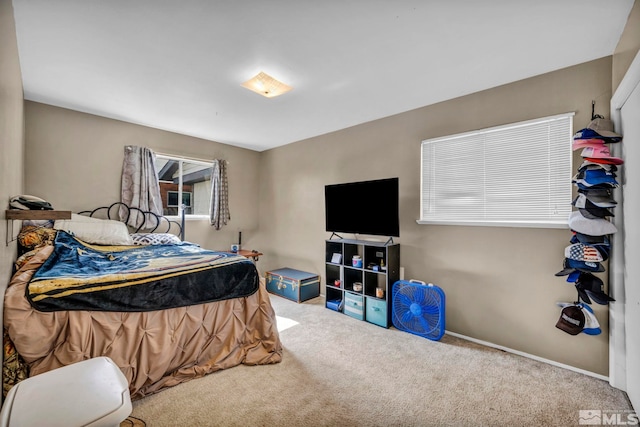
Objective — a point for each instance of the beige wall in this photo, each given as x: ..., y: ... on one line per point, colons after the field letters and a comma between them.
x: 74, y: 160
x: 499, y: 282
x: 627, y: 47
x: 11, y: 135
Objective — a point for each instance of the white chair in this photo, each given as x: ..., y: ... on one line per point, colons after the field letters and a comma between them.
x: 92, y: 393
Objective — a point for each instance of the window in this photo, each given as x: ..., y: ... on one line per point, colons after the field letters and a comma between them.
x: 172, y: 198
x: 185, y: 180
x: 515, y: 175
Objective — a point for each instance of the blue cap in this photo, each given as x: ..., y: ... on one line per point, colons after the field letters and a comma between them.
x: 571, y: 265
x: 587, y: 133
x: 573, y: 276
x: 591, y: 177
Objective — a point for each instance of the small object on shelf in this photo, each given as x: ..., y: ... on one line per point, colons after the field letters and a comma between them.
x: 336, y: 283
x: 382, y: 266
x: 336, y: 258
x: 357, y: 286
x: 379, y: 293
x: 334, y: 304
x: 356, y: 261
x: 27, y: 202
x: 253, y: 254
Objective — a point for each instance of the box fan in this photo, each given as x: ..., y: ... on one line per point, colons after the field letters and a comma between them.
x: 419, y: 308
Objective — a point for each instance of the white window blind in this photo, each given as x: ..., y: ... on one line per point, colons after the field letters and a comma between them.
x: 512, y: 175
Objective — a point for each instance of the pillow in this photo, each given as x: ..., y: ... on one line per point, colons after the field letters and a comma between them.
x: 96, y: 231
x: 32, y: 237
x: 144, y: 239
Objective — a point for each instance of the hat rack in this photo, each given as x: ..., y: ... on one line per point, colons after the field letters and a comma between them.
x: 597, y: 158
x: 593, y: 110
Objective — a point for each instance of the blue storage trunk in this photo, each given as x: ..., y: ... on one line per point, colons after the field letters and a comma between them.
x: 293, y: 284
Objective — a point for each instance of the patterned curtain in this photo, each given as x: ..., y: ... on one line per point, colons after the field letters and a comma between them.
x: 140, y: 185
x: 219, y: 213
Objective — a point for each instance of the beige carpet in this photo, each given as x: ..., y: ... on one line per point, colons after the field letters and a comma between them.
x: 338, y: 371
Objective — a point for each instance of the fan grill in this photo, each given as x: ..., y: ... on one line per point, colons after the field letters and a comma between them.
x: 419, y: 309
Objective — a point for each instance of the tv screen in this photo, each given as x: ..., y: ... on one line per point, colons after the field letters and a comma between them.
x: 366, y: 207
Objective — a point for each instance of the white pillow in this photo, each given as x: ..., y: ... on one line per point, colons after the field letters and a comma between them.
x: 96, y: 231
x: 144, y: 239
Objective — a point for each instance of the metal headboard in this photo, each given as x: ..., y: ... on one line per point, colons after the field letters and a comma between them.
x: 153, y: 223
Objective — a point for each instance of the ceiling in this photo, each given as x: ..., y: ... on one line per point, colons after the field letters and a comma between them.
x: 179, y: 65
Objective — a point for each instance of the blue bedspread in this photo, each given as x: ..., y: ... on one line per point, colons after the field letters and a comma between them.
x: 78, y: 276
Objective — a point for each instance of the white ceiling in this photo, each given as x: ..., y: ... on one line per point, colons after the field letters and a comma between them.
x: 178, y: 65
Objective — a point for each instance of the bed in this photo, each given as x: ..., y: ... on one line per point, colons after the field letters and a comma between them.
x: 164, y: 310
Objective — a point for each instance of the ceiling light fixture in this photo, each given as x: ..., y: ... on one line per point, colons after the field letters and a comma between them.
x: 266, y: 85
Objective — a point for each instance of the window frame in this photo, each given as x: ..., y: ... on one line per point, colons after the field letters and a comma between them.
x: 529, y: 223
x: 177, y: 193
x: 180, y: 160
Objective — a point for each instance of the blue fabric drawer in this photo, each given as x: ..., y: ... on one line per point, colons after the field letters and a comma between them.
x: 334, y: 304
x: 354, y: 305
x: 376, y: 312
x: 293, y: 284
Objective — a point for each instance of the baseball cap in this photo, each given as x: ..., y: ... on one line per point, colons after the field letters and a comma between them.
x: 582, y: 143
x: 593, y: 287
x: 600, y: 154
x: 599, y: 129
x: 589, y: 240
x: 592, y: 227
x: 573, y: 276
x: 582, y: 186
x: 604, y: 128
x: 582, y: 252
x: 591, y: 324
x: 571, y: 265
x: 571, y: 320
x: 594, y: 177
x: 600, y: 243
x: 605, y: 161
x: 587, y: 199
x: 595, y: 213
x: 587, y: 164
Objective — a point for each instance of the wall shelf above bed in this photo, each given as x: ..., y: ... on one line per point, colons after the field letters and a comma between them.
x: 36, y: 215
x: 17, y: 214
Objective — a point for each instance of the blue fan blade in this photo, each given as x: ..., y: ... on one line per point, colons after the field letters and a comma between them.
x: 403, y: 299
x: 426, y: 327
x: 406, y: 317
x: 418, y: 295
x: 430, y: 309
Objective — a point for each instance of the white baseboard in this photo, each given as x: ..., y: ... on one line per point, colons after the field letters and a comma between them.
x: 530, y: 356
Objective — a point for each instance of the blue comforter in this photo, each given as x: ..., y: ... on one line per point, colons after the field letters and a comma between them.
x: 79, y: 276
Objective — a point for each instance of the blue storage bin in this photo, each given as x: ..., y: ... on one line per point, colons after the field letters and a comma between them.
x: 334, y: 304
x: 354, y: 305
x: 376, y: 312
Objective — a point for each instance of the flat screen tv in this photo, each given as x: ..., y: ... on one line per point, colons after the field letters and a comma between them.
x: 365, y: 207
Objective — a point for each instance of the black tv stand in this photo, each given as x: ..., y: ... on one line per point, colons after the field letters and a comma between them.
x: 334, y: 234
x: 389, y: 242
x: 359, y: 278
